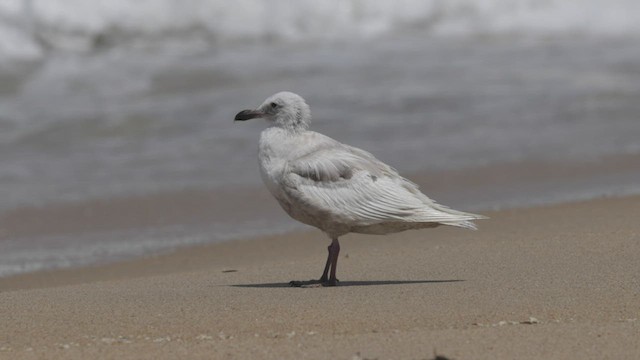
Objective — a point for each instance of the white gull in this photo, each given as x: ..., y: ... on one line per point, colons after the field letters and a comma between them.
x: 335, y: 187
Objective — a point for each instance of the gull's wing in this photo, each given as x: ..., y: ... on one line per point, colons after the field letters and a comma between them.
x: 354, y: 186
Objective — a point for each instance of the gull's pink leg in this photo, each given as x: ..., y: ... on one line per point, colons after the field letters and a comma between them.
x: 330, y: 265
x: 325, y: 273
x: 334, y: 251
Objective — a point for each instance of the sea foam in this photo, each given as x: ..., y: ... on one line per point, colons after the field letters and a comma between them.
x: 29, y: 27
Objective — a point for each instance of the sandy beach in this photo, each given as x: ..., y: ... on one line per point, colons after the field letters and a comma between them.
x: 557, y: 282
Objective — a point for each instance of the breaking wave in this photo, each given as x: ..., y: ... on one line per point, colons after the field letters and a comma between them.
x: 30, y: 28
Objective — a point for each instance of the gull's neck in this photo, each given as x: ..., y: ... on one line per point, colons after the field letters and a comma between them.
x: 277, y: 142
x: 291, y: 128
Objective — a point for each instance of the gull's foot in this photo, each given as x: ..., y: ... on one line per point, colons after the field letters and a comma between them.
x: 314, y: 283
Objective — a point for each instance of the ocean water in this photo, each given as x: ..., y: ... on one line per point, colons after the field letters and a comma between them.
x: 112, y: 100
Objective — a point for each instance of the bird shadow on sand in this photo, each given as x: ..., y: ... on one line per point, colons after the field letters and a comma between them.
x: 353, y: 283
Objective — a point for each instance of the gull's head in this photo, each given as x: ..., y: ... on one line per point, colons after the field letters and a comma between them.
x: 284, y: 109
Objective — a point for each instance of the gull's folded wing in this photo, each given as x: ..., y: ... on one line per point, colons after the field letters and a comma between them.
x: 355, y: 186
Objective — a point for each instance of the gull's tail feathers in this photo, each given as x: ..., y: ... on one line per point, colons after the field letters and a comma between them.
x: 463, y: 224
x: 465, y: 221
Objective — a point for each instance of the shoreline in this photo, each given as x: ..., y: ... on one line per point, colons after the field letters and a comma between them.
x: 99, y: 231
x: 196, y: 257
x: 556, y: 281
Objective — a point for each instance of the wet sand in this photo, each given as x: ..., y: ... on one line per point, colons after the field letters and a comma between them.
x: 548, y: 282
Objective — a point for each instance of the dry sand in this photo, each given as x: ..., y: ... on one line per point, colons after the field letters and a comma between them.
x: 557, y: 282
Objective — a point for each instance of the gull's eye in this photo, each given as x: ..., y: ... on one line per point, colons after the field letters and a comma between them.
x: 273, y: 105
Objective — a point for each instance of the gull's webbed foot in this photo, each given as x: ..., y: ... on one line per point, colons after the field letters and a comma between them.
x: 314, y: 283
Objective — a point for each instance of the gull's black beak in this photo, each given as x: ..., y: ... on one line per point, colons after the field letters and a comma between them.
x: 248, y: 115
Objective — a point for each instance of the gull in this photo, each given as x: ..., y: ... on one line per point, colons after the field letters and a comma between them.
x: 335, y: 187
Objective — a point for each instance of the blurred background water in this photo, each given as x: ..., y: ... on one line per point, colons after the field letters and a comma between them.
x: 110, y: 99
